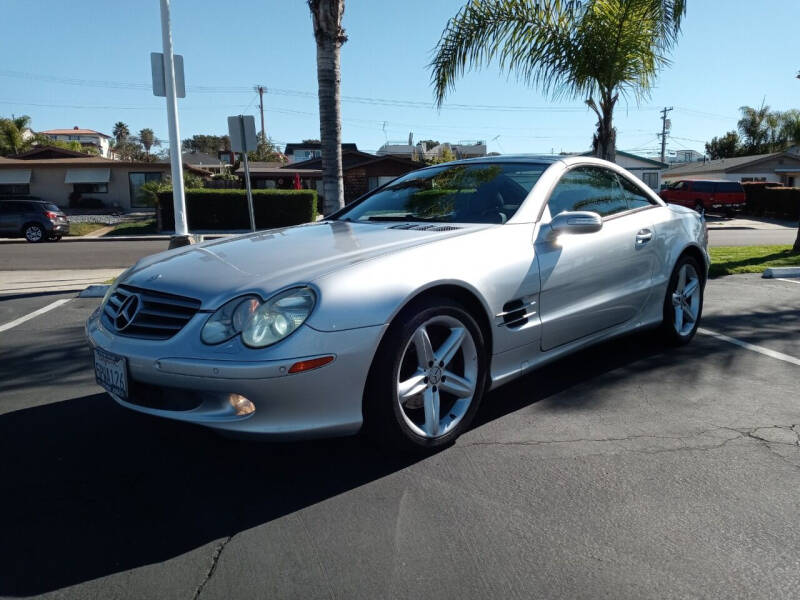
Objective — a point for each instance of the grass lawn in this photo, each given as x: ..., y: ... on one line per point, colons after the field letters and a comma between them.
x: 78, y: 229
x: 147, y: 226
x: 727, y: 260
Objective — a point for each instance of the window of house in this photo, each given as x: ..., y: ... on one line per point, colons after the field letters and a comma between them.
x: 90, y: 188
x: 15, y: 189
x: 635, y: 196
x: 651, y: 180
x: 746, y: 179
x: 588, y: 188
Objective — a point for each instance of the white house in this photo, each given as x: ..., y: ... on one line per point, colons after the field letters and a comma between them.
x: 646, y: 169
x: 85, y: 137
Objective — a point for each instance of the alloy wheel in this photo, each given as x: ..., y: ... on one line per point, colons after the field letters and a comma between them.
x: 686, y: 300
x: 33, y: 233
x: 437, y: 378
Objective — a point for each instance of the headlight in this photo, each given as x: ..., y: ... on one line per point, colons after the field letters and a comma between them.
x: 278, y: 317
x: 229, y: 319
x: 260, y: 324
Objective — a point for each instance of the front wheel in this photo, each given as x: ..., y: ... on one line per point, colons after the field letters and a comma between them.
x: 427, y: 378
x: 683, y: 304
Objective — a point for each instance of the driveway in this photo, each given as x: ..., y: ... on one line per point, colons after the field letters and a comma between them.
x: 626, y: 471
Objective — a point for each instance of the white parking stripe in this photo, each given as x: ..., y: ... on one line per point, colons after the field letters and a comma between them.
x: 752, y: 347
x: 34, y: 314
x: 789, y: 280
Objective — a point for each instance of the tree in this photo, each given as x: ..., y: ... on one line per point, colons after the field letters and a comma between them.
x: 446, y: 156
x: 11, y: 134
x: 326, y: 17
x: 148, y: 139
x: 726, y: 146
x: 208, y: 144
x: 790, y: 126
x: 120, y: 131
x: 266, y: 152
x: 753, y: 127
x: 597, y: 50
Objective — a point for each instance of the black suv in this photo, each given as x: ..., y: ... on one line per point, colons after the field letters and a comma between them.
x: 35, y: 220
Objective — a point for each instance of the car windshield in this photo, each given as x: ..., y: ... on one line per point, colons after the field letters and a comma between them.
x: 460, y: 193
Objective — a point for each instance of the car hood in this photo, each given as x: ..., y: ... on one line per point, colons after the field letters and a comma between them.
x: 263, y: 262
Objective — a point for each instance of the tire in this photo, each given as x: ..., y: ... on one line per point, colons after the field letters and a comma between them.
x: 698, y: 206
x: 400, y: 417
x: 34, y: 233
x: 677, y: 328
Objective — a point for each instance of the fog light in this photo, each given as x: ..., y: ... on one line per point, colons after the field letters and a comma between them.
x: 242, y: 405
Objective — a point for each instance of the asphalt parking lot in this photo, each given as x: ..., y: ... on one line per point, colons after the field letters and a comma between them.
x: 626, y: 471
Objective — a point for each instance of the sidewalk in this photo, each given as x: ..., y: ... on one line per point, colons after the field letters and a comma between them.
x: 150, y: 237
x: 716, y: 222
x: 33, y: 282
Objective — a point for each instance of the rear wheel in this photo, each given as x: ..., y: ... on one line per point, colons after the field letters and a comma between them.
x: 34, y: 233
x: 683, y: 304
x: 698, y: 206
x: 427, y: 378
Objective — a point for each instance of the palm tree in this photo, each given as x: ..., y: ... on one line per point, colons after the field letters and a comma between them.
x: 120, y: 131
x: 597, y: 50
x: 326, y: 16
x: 12, y: 140
x: 148, y: 139
x: 754, y: 128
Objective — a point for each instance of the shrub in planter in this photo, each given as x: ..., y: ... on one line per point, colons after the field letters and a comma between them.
x: 225, y: 209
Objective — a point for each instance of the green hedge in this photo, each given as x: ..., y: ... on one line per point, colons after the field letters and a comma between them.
x: 770, y: 198
x: 226, y: 209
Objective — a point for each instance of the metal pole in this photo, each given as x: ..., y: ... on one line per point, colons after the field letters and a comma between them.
x: 247, y: 175
x: 178, y: 196
x: 664, y: 131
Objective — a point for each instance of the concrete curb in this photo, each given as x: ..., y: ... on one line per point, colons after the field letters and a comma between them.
x: 782, y: 272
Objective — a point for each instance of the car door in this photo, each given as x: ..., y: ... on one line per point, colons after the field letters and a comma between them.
x: 593, y: 281
x: 10, y: 217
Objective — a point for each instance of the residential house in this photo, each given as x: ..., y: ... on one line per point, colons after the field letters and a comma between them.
x: 362, y: 172
x: 777, y: 167
x: 49, y: 152
x: 115, y: 182
x: 298, y: 152
x: 206, y: 162
x: 422, y: 151
x: 648, y: 170
x: 86, y: 137
x: 685, y: 156
x: 402, y: 150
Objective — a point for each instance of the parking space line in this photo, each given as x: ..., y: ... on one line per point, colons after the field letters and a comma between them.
x: 34, y: 314
x: 754, y: 348
x: 789, y: 280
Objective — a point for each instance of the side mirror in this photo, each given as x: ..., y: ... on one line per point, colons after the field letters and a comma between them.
x: 576, y: 222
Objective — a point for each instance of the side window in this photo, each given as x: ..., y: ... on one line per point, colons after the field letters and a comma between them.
x: 703, y: 187
x: 635, y: 196
x: 588, y: 188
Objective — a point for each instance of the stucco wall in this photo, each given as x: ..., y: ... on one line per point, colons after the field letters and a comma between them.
x: 48, y: 184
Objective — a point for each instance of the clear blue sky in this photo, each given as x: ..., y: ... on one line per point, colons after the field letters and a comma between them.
x: 732, y: 52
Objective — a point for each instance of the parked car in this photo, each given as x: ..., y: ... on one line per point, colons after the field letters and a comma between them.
x: 35, y: 220
x: 398, y: 312
x: 704, y: 195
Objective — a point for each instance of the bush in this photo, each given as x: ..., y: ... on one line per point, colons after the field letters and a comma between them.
x: 771, y: 198
x: 227, y: 208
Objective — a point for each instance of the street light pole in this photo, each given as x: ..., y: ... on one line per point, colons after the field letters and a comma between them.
x: 181, y: 237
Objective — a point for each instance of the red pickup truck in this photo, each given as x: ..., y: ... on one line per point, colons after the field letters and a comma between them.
x: 704, y: 194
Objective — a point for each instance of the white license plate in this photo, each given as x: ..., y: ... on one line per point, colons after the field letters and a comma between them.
x: 111, y: 372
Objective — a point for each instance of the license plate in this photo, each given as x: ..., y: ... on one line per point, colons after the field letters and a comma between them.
x: 111, y: 372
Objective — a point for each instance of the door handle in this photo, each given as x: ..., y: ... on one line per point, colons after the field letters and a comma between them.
x: 643, y: 236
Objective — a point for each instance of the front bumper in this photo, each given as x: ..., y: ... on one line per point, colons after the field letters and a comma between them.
x: 323, y: 402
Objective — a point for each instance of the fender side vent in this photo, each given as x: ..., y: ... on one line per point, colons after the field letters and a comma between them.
x: 514, y: 313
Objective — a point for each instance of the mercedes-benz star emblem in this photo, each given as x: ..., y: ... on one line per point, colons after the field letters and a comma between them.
x: 127, y: 312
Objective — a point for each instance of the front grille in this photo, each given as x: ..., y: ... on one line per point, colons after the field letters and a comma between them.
x: 157, y: 316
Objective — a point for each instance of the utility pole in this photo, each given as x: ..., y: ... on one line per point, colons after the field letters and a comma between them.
x: 664, y: 129
x: 181, y: 237
x: 261, y: 89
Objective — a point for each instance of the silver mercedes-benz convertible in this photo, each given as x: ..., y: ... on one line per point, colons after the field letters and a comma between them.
x: 400, y: 311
